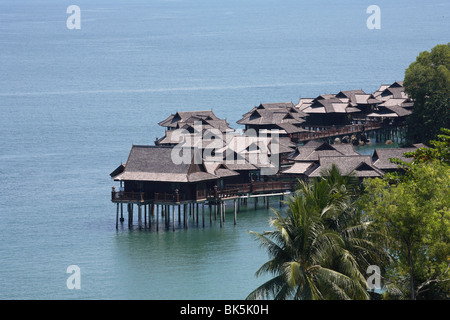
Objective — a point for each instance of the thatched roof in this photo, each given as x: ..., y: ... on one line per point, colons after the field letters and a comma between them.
x: 330, y: 104
x: 170, y: 138
x: 381, y: 157
x: 273, y: 113
x: 359, y: 166
x: 392, y: 108
x: 219, y: 169
x: 117, y: 171
x: 187, y: 119
x: 393, y: 91
x: 300, y: 168
x: 190, y: 123
x: 313, y: 150
x: 350, y: 94
x: 155, y: 163
x: 266, y: 117
x: 290, y: 128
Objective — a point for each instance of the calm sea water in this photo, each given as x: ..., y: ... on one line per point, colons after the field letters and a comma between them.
x: 73, y: 102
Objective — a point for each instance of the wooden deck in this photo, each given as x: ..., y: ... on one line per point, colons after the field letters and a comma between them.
x: 253, y: 188
x: 328, y: 132
x: 229, y: 192
x: 143, y: 197
x: 164, y: 206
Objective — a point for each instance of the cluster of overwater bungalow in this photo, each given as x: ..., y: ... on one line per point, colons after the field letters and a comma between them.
x: 281, y: 143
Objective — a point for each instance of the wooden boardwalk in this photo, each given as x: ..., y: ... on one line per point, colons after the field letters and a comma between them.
x: 331, y: 132
x: 164, y: 206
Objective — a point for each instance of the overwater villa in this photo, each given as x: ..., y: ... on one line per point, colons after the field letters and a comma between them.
x: 355, y: 112
x: 307, y: 157
x: 282, y: 143
x: 186, y: 121
x: 394, y: 106
x: 359, y: 166
x: 281, y: 117
x: 328, y: 110
x: 381, y: 157
x: 150, y: 174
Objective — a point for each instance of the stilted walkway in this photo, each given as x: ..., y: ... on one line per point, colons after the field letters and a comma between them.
x: 171, y: 216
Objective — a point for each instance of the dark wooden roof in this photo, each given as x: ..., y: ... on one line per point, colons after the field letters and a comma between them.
x: 391, y: 108
x: 359, y: 166
x: 350, y: 94
x: 273, y: 113
x: 300, y: 168
x: 313, y: 150
x: 395, y: 90
x: 381, y: 157
x: 117, y: 171
x: 330, y: 104
x: 154, y: 163
x: 187, y: 119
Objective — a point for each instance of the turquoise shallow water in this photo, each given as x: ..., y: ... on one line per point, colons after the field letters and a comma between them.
x: 73, y: 102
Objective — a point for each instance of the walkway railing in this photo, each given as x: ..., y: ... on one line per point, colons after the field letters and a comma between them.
x: 117, y: 196
x: 129, y: 196
x: 169, y: 197
x: 235, y: 190
x: 230, y: 191
x: 271, y: 186
x: 327, y: 132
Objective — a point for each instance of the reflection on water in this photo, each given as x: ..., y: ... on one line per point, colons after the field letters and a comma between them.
x: 197, y: 263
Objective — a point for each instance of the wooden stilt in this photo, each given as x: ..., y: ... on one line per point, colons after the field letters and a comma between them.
x: 203, y: 214
x: 157, y: 217
x: 197, y: 212
x: 145, y: 216
x: 215, y: 211
x: 168, y: 216
x: 140, y: 216
x: 173, y: 217
x: 129, y: 213
x: 235, y: 210
x: 224, y: 210
x: 187, y: 217
x: 117, y: 216
x: 184, y: 215
x: 121, y: 212
x: 165, y: 215
x: 221, y: 214
x: 129, y: 206
x: 150, y: 214
x: 131, y: 217
x: 210, y: 213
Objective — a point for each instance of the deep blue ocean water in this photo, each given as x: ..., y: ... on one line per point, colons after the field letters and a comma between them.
x: 73, y: 102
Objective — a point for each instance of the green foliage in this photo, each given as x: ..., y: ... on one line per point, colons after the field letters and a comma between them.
x: 415, y: 215
x: 335, y: 228
x: 427, y: 82
x: 322, y: 247
x: 439, y: 150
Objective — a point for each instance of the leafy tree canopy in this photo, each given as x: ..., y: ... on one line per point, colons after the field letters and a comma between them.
x: 427, y: 82
x: 415, y: 213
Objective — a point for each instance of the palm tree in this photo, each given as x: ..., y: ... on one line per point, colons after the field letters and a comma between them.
x: 358, y: 232
x: 316, y: 250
